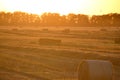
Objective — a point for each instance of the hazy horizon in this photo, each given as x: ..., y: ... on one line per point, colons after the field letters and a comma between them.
x: 88, y: 7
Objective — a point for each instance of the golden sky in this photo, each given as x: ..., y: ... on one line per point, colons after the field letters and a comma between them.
x: 89, y: 7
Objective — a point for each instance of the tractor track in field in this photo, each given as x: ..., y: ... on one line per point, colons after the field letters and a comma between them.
x: 5, y: 71
x: 82, y: 52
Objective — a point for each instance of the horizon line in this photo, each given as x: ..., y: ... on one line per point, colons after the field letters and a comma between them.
x: 59, y: 13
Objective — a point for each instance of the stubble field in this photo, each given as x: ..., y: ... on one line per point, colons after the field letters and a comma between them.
x: 22, y: 57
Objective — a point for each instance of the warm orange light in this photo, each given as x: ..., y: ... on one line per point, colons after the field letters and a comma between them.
x: 61, y: 6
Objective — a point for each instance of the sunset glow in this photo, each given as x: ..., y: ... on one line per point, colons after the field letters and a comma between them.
x: 89, y: 7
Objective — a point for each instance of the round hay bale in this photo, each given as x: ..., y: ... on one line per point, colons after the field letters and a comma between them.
x: 95, y: 70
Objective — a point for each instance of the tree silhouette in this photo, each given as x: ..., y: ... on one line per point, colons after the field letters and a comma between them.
x: 54, y: 19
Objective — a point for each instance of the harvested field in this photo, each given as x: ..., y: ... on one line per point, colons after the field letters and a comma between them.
x: 23, y: 58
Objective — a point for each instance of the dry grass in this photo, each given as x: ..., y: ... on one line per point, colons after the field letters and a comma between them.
x: 22, y: 56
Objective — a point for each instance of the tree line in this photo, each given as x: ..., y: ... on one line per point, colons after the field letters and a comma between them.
x: 55, y: 19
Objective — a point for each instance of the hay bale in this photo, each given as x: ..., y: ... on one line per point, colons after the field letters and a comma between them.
x: 103, y: 29
x: 45, y: 30
x: 46, y: 41
x: 66, y: 31
x: 117, y: 40
x: 15, y: 29
x: 95, y: 70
